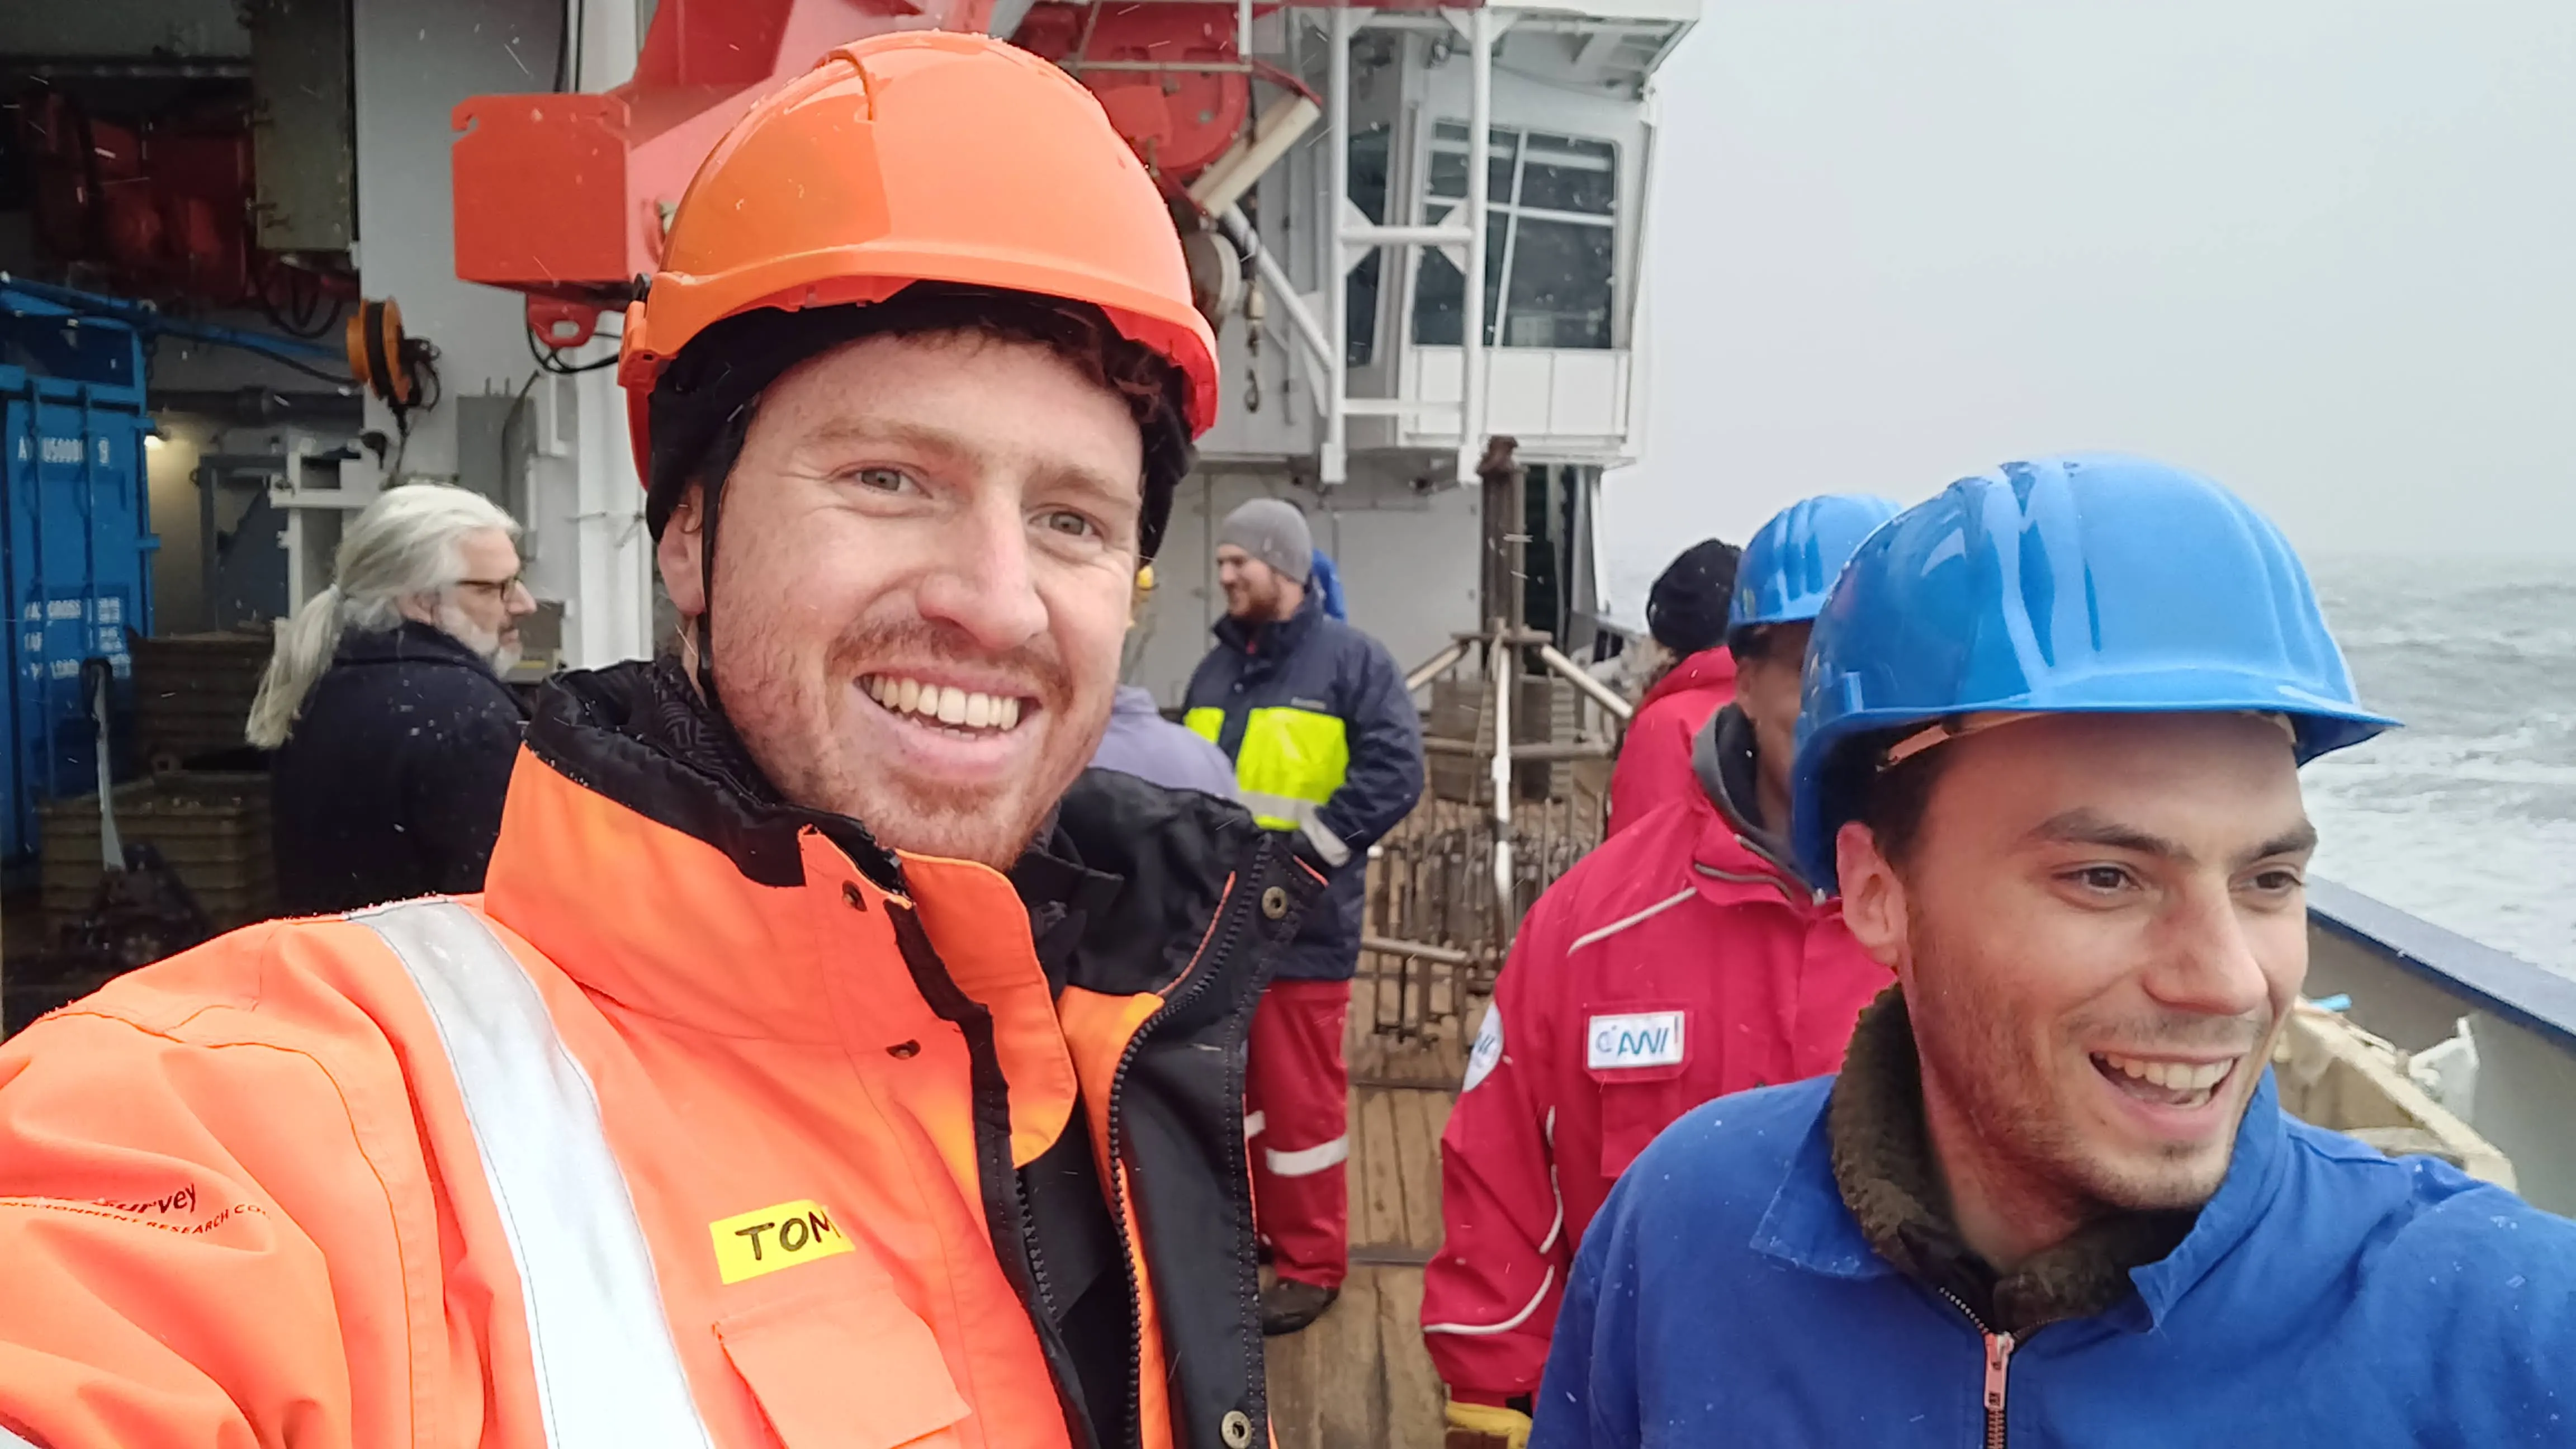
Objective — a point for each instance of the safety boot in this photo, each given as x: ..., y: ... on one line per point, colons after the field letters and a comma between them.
x: 1288, y: 1305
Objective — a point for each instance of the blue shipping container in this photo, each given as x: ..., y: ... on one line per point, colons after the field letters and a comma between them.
x: 76, y: 544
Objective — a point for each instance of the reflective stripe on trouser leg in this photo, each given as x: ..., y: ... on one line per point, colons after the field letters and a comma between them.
x: 608, y: 1374
x: 1296, y: 1081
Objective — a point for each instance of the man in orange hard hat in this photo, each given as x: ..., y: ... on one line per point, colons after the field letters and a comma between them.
x: 825, y: 1062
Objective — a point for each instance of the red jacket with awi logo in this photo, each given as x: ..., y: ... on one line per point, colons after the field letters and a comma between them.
x: 1678, y: 962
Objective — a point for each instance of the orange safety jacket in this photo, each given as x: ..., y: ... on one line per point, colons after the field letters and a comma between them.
x: 710, y: 1124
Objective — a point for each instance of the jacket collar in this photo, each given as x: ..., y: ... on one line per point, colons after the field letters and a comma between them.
x: 1735, y: 860
x: 408, y: 642
x: 1861, y: 1200
x: 639, y: 734
x: 1272, y: 638
x: 1707, y: 669
x: 649, y: 862
x: 1062, y: 895
x: 639, y: 817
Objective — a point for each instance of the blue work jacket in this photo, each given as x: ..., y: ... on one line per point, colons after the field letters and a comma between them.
x: 1324, y: 740
x: 2327, y: 1295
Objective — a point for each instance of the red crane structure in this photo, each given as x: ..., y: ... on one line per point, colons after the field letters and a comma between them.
x: 564, y: 196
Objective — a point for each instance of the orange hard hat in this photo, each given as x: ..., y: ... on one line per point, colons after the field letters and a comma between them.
x: 921, y: 156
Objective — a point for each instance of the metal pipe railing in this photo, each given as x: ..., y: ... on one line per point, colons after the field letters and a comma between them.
x: 1500, y: 659
x: 1471, y: 337
x: 1437, y: 665
x: 1424, y: 236
x: 1601, y: 694
x: 1331, y: 465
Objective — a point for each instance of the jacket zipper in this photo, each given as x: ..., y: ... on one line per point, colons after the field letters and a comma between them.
x: 1229, y: 926
x: 1999, y: 1352
x: 1014, y: 1250
x: 1038, y: 1280
x: 1051, y: 1344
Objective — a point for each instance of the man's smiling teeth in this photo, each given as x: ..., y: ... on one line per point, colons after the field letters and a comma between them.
x: 947, y: 704
x: 2172, y: 1076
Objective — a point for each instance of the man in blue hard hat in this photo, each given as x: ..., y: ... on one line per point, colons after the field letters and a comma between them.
x: 1780, y: 587
x: 1684, y: 959
x: 2049, y: 751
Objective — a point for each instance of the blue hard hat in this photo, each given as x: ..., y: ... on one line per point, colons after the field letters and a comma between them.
x: 1790, y: 565
x: 2087, y: 583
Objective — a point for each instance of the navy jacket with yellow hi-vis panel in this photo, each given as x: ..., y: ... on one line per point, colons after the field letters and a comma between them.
x: 1325, y: 741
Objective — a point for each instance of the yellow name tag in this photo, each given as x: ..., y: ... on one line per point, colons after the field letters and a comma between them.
x: 753, y: 1243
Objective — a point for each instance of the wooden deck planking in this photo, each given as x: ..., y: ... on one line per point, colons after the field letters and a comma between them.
x: 1417, y: 1159
x: 1360, y: 1377
x: 1352, y: 1407
x: 1413, y: 1393
x: 1291, y: 1363
x: 1377, y: 1189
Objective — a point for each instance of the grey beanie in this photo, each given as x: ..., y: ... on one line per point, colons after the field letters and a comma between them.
x: 1273, y: 531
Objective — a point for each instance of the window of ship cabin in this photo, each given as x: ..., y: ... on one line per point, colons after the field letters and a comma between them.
x: 1550, y: 229
x: 1368, y: 192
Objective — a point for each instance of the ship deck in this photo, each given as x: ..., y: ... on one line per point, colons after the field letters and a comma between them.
x: 1360, y: 1377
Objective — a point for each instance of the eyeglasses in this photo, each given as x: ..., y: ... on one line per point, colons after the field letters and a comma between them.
x: 499, y: 588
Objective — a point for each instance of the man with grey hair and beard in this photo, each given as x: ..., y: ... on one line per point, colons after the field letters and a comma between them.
x: 394, y: 735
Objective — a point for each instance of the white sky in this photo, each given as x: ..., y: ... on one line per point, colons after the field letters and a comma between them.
x: 2324, y: 250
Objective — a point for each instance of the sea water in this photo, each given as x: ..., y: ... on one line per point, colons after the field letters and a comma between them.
x: 2467, y: 816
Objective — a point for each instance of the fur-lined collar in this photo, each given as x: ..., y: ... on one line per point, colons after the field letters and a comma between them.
x: 1883, y: 1166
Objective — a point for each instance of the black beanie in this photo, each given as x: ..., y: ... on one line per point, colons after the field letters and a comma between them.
x: 1686, y: 610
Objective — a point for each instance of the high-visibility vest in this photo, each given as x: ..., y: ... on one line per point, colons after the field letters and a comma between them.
x: 1289, y: 763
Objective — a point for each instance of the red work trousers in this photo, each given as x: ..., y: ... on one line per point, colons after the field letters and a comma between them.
x: 1297, y: 1116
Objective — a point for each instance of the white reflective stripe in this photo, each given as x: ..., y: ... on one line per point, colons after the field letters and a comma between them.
x: 1649, y: 913
x: 1553, y: 1190
x: 1546, y: 1244
x: 1253, y: 1122
x: 1787, y: 892
x: 1308, y: 818
x: 1281, y: 807
x: 1307, y: 1161
x: 1507, y: 1325
x: 608, y: 1374
x: 1327, y: 844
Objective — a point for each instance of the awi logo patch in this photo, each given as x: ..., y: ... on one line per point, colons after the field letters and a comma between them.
x: 1634, y: 1039
x: 1487, y: 1053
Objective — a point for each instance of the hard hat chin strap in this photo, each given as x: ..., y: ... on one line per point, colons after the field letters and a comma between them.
x: 1959, y: 726
x: 704, y: 628
x: 1942, y: 731
x: 717, y: 467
